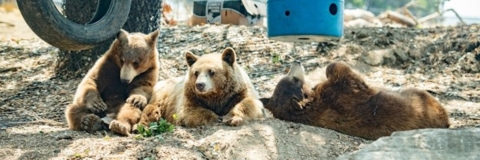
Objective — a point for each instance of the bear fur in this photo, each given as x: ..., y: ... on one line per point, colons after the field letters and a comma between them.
x: 119, y: 84
x: 345, y: 103
x: 215, y: 87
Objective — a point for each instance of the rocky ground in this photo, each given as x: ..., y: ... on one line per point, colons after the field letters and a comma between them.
x: 444, y: 60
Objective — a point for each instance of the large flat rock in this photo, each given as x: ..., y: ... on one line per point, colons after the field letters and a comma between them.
x: 424, y: 144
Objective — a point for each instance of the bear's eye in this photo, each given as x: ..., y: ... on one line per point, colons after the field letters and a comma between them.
x: 135, y: 64
x: 211, y: 72
x: 196, y: 73
x: 122, y: 60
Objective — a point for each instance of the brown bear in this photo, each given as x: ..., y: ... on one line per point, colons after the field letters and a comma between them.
x: 345, y: 103
x: 119, y: 84
x: 215, y: 86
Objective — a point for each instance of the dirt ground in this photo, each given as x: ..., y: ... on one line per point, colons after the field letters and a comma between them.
x: 445, y: 61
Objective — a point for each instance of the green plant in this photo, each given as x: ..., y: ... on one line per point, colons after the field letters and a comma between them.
x: 276, y: 58
x: 155, y: 128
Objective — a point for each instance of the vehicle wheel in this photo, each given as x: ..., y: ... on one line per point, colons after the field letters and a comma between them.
x: 51, y: 26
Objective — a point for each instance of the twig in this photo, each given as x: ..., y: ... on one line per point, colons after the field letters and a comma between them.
x: 436, y: 14
x: 8, y: 24
x: 32, y: 114
x: 41, y: 121
x: 409, y: 14
x: 474, y: 118
x: 37, y: 120
x: 9, y: 69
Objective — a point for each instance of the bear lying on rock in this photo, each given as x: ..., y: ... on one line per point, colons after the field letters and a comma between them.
x: 119, y: 84
x: 215, y: 88
x: 345, y: 103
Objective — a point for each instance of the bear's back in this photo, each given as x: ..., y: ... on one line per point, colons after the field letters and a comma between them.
x: 168, y: 95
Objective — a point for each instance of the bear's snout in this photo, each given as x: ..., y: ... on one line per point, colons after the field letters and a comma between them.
x: 125, y: 81
x: 127, y: 73
x: 200, y: 86
x: 204, y: 83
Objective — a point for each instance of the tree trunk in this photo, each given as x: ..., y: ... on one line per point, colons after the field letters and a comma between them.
x: 144, y: 17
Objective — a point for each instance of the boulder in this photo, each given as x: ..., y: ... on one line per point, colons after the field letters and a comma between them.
x: 423, y: 144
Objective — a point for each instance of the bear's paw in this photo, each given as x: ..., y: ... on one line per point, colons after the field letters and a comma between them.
x: 95, y: 104
x: 91, y: 123
x: 138, y: 101
x: 120, y: 128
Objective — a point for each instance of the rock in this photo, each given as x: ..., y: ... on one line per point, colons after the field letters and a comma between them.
x: 401, y: 53
x: 378, y: 57
x: 468, y: 63
x: 415, y: 53
x: 423, y: 144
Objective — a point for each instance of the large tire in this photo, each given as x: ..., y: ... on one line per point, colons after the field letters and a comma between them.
x: 51, y: 26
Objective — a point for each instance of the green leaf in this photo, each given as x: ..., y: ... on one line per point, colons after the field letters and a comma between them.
x: 275, y: 58
x: 156, y: 128
x: 152, y: 124
x: 148, y: 158
x: 138, y: 137
x: 140, y: 128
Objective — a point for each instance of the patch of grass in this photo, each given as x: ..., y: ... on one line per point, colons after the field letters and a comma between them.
x: 276, y: 58
x: 155, y: 128
x: 149, y: 158
x: 77, y: 156
x: 106, y: 138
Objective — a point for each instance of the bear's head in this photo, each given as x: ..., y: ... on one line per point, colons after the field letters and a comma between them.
x: 135, y: 53
x: 210, y: 74
x: 289, y: 92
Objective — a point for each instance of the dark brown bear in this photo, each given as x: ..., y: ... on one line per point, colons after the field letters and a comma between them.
x: 345, y: 103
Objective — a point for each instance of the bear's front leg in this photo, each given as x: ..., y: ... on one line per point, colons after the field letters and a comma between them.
x: 88, y: 95
x: 193, y: 116
x: 140, y: 90
x: 248, y: 109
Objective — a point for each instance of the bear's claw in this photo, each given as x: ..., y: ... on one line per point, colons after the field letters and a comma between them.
x: 234, y: 121
x: 137, y: 100
x: 91, y: 123
x: 96, y: 105
x: 118, y: 127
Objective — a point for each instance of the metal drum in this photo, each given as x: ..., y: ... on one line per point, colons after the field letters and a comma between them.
x: 305, y: 20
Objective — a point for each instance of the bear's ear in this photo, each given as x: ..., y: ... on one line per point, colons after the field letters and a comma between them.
x: 122, y: 37
x: 229, y: 56
x: 338, y: 70
x: 153, y: 37
x: 190, y: 58
x: 264, y: 101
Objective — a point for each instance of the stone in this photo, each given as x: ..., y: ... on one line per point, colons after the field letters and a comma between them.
x: 422, y: 144
x: 415, y: 53
x: 378, y: 57
x: 402, y: 53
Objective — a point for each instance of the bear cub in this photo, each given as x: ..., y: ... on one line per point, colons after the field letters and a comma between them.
x: 215, y: 87
x: 345, y: 103
x: 119, y: 84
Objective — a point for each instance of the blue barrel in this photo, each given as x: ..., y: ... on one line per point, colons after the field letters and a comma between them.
x: 304, y: 20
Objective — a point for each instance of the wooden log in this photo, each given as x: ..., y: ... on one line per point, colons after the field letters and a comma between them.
x: 399, y: 18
